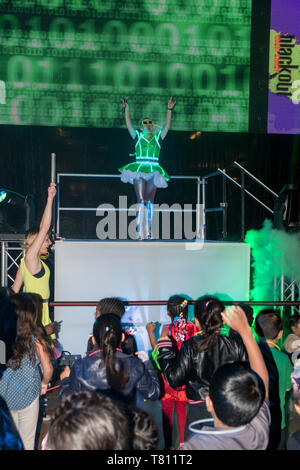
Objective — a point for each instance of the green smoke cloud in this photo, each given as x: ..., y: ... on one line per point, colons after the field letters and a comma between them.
x: 275, y: 253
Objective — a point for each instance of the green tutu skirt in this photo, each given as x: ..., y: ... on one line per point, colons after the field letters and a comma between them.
x: 146, y: 171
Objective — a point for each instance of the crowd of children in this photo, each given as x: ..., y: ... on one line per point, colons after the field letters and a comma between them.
x: 228, y: 383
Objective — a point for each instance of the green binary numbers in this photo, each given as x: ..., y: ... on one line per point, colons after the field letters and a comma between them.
x: 67, y: 62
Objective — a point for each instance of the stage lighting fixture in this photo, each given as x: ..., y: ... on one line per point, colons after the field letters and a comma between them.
x: 3, y: 195
x: 16, y: 211
x: 195, y: 135
x: 286, y: 208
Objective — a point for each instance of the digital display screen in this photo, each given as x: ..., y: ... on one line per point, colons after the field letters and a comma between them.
x: 284, y: 68
x: 68, y: 62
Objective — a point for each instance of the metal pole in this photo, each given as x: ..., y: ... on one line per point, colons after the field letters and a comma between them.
x: 293, y: 297
x: 275, y: 288
x: 198, y: 214
x: 123, y: 209
x: 255, y: 179
x: 224, y: 205
x: 203, y: 234
x: 96, y: 175
x: 282, y: 282
x: 53, y: 167
x: 246, y: 191
x: 242, y: 205
x: 58, y: 206
x: 53, y: 180
x: 3, y: 265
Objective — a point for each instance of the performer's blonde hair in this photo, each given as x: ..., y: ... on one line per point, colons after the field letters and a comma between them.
x: 29, y: 239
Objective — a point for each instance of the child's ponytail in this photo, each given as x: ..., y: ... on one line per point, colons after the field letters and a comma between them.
x: 208, y: 313
x: 107, y: 332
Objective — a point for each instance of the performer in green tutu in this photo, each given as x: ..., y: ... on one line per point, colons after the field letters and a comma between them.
x: 145, y: 173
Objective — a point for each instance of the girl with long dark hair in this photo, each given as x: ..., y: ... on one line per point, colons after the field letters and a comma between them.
x: 179, y: 330
x: 200, y: 356
x: 21, y: 383
x: 108, y: 370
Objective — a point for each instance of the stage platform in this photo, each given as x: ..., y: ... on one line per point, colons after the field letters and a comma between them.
x: 142, y: 270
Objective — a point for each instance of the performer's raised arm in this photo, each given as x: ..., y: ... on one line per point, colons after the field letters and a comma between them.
x: 171, y: 105
x: 37, y: 242
x: 130, y: 127
x: 41, y: 241
x: 34, y: 272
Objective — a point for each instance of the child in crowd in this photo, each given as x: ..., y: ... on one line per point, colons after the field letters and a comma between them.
x: 293, y: 442
x: 108, y: 370
x: 292, y: 342
x: 179, y: 330
x: 9, y: 437
x: 145, y: 431
x: 88, y: 420
x: 33, y: 272
x: 268, y: 326
x: 92, y: 421
x: 117, y: 307
x: 21, y: 384
x: 199, y: 357
x: 237, y: 399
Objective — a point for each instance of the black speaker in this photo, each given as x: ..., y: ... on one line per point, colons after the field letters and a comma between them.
x: 286, y: 208
x: 17, y: 212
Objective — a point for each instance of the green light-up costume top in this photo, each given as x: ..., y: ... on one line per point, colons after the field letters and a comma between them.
x: 146, y: 163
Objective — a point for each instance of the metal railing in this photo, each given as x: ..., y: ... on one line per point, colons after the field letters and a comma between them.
x: 200, y: 201
x: 245, y: 191
x: 223, y: 205
x: 199, y: 181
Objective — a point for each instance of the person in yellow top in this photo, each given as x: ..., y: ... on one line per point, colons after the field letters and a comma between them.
x: 33, y: 272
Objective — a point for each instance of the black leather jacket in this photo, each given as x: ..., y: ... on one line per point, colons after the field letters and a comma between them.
x: 194, y: 369
x: 89, y: 373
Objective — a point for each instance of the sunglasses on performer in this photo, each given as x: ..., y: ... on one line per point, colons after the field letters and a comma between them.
x: 146, y: 122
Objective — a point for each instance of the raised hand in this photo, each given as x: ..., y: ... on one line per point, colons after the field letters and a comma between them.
x: 171, y: 103
x: 52, y: 190
x: 150, y: 327
x: 235, y: 318
x: 124, y: 101
x: 142, y: 355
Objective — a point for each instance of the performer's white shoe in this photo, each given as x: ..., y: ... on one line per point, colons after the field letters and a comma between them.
x: 149, y: 217
x: 140, y: 221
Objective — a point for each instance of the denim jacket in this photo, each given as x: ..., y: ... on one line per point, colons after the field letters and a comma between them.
x: 89, y: 373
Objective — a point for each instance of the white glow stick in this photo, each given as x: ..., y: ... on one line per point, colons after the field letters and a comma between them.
x: 53, y: 167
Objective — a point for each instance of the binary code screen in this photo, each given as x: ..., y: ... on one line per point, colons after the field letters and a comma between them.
x: 68, y: 62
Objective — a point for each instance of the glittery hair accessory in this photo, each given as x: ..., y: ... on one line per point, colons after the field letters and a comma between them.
x: 184, y: 304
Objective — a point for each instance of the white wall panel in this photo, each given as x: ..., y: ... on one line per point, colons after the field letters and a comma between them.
x: 90, y: 270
